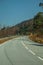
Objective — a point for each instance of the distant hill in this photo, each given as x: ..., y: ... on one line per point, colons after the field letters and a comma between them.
x: 25, y: 27
x: 22, y: 28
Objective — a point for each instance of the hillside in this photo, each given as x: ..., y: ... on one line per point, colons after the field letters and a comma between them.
x: 37, y: 34
x: 34, y: 26
x: 22, y: 28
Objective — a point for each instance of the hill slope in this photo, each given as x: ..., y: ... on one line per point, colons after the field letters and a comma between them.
x: 34, y: 25
x: 22, y: 28
x: 37, y: 34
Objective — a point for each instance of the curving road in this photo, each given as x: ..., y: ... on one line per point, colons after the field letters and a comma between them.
x: 21, y: 51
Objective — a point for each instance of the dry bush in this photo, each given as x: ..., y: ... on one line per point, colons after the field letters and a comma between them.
x: 36, y: 38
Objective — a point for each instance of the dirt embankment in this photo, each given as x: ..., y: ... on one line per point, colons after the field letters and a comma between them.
x: 2, y: 40
x: 36, y: 37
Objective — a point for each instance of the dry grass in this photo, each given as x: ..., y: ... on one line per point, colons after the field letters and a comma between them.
x: 3, y: 40
x: 6, y: 39
x: 36, y: 38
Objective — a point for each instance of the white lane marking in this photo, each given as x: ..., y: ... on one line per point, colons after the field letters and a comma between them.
x: 31, y: 52
x: 40, y: 58
x: 28, y: 49
x: 24, y: 45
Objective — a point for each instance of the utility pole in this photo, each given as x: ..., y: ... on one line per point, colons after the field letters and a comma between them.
x: 0, y: 26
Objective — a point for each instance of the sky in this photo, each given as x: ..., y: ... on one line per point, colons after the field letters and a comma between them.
x: 13, y: 12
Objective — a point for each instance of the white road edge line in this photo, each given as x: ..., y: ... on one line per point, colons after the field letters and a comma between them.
x: 40, y: 58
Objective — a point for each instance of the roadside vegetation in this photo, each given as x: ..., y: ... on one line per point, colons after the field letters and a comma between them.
x: 37, y: 33
x: 32, y: 27
x: 2, y: 40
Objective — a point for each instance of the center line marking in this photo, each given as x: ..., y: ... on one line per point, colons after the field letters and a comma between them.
x: 28, y: 49
x: 40, y: 58
x: 31, y: 52
x: 25, y: 46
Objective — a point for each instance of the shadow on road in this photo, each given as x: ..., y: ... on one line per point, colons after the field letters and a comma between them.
x: 37, y: 44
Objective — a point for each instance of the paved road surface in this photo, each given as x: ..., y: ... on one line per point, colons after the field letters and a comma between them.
x: 21, y: 51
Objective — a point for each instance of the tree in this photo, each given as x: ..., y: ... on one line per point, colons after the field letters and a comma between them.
x: 41, y: 5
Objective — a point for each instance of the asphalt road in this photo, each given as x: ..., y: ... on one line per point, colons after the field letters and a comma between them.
x: 21, y: 51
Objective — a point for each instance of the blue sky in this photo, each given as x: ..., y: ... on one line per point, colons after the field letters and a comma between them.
x: 13, y: 12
